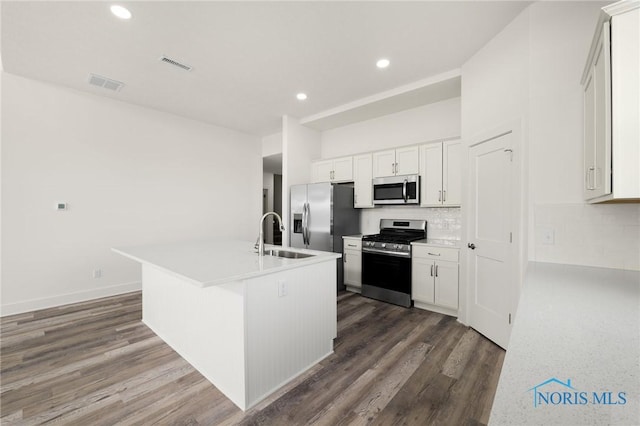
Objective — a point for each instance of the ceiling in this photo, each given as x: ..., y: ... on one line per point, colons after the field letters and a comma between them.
x: 249, y: 59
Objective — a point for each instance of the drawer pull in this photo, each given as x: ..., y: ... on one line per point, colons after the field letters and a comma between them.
x: 433, y: 254
x: 352, y: 245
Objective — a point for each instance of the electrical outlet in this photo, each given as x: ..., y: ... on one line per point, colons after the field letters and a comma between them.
x: 547, y: 236
x: 97, y: 273
x: 282, y: 289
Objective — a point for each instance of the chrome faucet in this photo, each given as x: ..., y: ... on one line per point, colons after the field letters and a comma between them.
x: 260, y: 243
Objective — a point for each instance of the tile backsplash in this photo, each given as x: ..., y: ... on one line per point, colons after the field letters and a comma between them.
x: 602, y: 235
x: 442, y: 223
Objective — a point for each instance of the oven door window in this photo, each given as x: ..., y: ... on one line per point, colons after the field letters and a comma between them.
x: 390, y: 272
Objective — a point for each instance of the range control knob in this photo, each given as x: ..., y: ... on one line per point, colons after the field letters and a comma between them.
x: 383, y: 245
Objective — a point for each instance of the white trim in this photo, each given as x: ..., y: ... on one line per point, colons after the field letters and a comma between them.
x: 65, y: 299
x: 445, y: 76
x: 621, y: 7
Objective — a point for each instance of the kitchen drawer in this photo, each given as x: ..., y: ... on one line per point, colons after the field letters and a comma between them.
x: 435, y: 253
x: 352, y: 243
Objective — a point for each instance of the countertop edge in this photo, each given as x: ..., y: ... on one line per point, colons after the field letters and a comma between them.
x: 318, y: 257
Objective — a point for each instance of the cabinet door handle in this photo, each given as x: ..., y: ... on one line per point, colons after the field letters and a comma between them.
x: 431, y: 270
x: 440, y: 196
x: 444, y: 195
x: 396, y: 168
x: 436, y: 271
x: 344, y: 258
x: 355, y: 198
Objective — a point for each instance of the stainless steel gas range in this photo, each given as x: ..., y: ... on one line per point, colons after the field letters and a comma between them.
x: 386, y: 260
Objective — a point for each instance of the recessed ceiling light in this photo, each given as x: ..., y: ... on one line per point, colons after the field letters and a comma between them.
x: 121, y: 12
x: 382, y: 63
x: 301, y: 96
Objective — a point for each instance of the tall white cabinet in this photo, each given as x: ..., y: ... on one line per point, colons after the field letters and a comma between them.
x: 440, y: 165
x: 362, y: 177
x: 611, y: 90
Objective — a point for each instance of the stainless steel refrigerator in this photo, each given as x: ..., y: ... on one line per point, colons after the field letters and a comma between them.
x: 321, y: 213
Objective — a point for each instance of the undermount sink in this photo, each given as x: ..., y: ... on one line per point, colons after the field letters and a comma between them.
x: 287, y: 254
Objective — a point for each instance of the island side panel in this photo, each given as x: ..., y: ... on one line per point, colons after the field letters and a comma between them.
x: 204, y: 325
x: 291, y: 323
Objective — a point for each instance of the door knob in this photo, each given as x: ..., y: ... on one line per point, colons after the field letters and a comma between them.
x: 471, y: 246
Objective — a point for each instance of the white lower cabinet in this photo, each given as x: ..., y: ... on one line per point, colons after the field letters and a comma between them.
x: 434, y: 278
x: 352, y: 260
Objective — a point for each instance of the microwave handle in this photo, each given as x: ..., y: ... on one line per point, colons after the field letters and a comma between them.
x: 404, y: 190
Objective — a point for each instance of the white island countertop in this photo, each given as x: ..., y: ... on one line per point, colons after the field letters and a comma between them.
x: 574, y: 353
x: 209, y: 263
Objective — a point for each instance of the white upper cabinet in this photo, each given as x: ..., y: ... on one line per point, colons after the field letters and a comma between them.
x: 452, y: 173
x: 440, y: 173
x: 334, y: 170
x: 408, y: 160
x: 401, y: 161
x: 321, y: 171
x: 597, y: 121
x: 343, y: 169
x: 611, y: 90
x: 362, y: 185
x: 384, y: 163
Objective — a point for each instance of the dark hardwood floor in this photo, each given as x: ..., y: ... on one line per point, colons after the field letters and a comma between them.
x: 95, y: 363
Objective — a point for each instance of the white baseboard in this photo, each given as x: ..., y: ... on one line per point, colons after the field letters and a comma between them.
x: 65, y: 299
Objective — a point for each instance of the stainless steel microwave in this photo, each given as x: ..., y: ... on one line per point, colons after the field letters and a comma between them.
x: 396, y: 190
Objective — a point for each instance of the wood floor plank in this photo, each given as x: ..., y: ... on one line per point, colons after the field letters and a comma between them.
x: 96, y: 363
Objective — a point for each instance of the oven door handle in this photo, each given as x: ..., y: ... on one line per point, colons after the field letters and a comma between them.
x: 386, y: 253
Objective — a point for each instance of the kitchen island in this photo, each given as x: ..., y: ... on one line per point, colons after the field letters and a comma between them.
x: 248, y: 323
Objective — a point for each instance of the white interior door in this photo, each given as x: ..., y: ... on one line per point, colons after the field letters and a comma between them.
x: 490, y: 257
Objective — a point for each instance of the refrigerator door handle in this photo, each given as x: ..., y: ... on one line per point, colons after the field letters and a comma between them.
x: 306, y: 224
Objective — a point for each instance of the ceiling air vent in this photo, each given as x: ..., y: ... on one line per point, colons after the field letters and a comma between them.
x: 104, y: 82
x: 176, y: 63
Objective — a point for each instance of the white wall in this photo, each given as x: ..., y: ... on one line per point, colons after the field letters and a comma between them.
x: 300, y: 145
x: 423, y: 124
x: 272, y: 144
x: 495, y: 96
x: 131, y: 176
